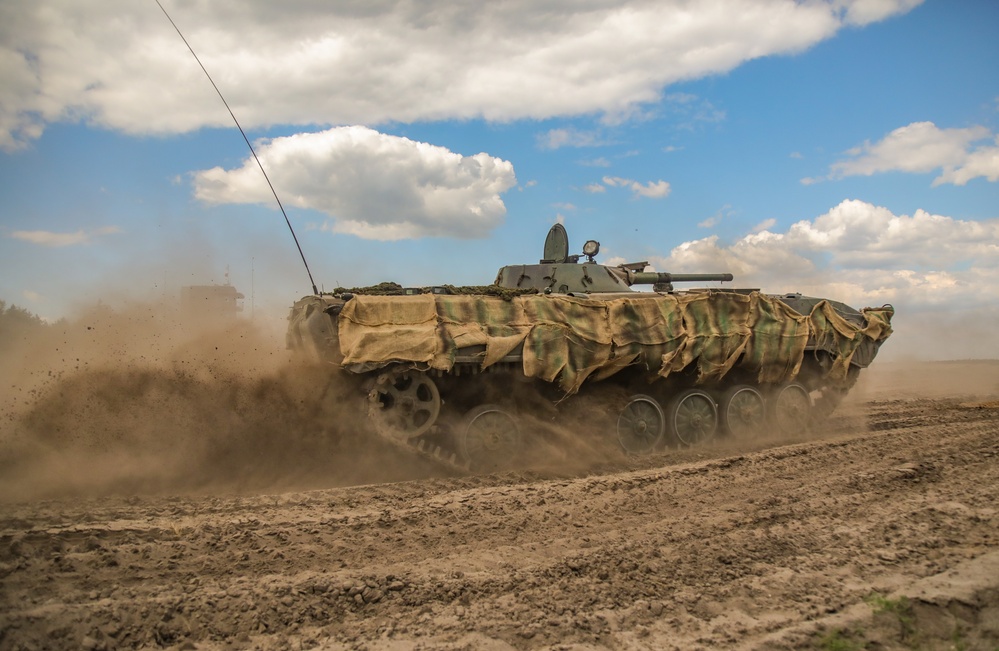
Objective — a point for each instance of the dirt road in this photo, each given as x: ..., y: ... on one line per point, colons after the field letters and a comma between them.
x: 881, y: 530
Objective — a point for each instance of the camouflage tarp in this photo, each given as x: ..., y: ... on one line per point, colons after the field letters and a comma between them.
x: 570, y: 339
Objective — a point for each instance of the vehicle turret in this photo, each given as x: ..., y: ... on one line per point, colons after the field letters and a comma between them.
x: 561, y: 273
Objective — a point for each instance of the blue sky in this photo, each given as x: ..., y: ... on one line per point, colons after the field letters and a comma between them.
x: 839, y: 148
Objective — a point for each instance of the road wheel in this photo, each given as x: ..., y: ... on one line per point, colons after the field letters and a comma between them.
x: 692, y: 417
x: 404, y: 404
x: 641, y: 425
x: 791, y: 408
x: 489, y: 438
x: 743, y: 411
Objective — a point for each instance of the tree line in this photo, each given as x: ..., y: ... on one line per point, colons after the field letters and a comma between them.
x: 16, y: 323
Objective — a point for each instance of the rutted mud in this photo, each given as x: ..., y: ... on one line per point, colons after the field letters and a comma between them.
x: 201, y: 502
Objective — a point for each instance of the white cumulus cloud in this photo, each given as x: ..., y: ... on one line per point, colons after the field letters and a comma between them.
x: 370, y: 184
x: 868, y: 11
x: 558, y: 138
x: 651, y: 189
x: 120, y: 65
x: 922, y: 147
x: 861, y: 254
x: 55, y: 239
x: 765, y: 225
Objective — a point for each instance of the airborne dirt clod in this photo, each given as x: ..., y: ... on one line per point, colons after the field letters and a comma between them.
x: 191, y: 504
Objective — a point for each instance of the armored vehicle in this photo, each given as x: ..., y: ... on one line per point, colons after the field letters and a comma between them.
x: 442, y: 367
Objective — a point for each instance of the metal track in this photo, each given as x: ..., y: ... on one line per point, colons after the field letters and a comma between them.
x: 438, y: 454
x: 422, y: 445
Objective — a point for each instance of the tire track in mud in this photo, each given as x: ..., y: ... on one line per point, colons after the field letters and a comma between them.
x: 689, y: 549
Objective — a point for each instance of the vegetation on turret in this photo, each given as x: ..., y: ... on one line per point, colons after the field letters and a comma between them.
x: 395, y: 289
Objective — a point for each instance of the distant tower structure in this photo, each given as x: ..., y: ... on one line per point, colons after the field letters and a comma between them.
x: 211, y: 301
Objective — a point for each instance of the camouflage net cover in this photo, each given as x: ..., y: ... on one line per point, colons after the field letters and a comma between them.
x: 571, y: 339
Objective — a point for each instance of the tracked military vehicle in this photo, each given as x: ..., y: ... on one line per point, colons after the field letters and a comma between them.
x: 692, y: 363
x: 440, y: 367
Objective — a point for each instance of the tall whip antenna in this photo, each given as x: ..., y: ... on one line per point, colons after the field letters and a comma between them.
x: 262, y: 171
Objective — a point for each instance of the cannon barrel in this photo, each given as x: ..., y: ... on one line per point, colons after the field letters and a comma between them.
x: 654, y: 277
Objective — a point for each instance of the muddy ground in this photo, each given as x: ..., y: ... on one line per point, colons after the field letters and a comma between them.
x: 152, y: 530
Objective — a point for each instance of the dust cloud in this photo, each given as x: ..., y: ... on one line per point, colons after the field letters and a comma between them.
x: 910, y: 379
x: 137, y: 401
x: 141, y: 401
